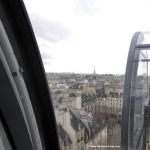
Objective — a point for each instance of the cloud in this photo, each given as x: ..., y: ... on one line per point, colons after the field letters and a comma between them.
x: 48, y: 33
x: 86, y: 6
x: 48, y: 30
x: 45, y: 50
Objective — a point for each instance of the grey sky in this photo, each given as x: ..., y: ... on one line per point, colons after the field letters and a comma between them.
x: 76, y: 35
x: 48, y: 30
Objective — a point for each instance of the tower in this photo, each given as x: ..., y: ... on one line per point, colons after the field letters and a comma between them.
x: 94, y: 73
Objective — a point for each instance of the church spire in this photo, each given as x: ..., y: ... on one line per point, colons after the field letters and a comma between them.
x: 94, y: 71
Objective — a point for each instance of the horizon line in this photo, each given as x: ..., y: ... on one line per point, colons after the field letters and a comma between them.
x: 84, y: 73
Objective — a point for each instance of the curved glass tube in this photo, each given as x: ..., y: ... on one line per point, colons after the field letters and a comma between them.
x: 136, y: 94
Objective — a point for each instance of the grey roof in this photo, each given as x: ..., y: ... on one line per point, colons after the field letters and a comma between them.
x: 88, y: 97
x: 114, y: 94
x: 64, y: 135
x: 88, y: 122
x: 75, y: 121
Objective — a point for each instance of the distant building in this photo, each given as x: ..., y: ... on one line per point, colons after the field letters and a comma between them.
x: 71, y: 101
x: 85, y: 106
x: 112, y: 102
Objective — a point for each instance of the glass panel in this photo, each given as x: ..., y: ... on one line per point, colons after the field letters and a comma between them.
x: 139, y: 98
x: 146, y: 38
x: 74, y: 36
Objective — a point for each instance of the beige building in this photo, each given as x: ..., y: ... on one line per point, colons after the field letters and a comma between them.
x: 72, y: 101
x: 64, y: 139
x: 73, y: 126
x: 81, y: 128
x: 112, y: 103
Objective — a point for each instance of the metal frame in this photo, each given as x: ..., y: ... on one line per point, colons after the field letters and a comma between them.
x: 127, y: 131
x: 21, y: 37
x: 125, y: 140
